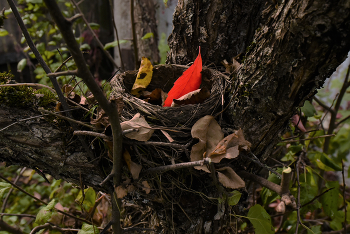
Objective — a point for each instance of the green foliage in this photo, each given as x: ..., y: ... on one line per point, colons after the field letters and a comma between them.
x: 88, y: 199
x: 308, y: 109
x: 233, y: 199
x: 88, y: 229
x: 260, y: 219
x: 45, y: 213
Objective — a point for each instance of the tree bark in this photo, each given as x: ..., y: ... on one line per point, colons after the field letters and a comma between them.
x: 289, y: 50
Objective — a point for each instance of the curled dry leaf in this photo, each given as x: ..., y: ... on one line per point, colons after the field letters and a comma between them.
x: 144, y: 77
x: 102, y: 118
x: 146, y: 187
x: 229, y: 147
x: 228, y: 177
x: 209, y: 134
x: 134, y: 168
x: 121, y: 191
x: 297, y: 122
x: 194, y: 97
x: 156, y: 97
x: 138, y: 122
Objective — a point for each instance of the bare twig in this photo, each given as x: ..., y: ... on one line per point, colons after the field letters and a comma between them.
x: 342, y: 121
x: 64, y: 117
x: 134, y: 37
x: 257, y: 161
x: 63, y: 73
x: 10, y: 191
x: 19, y: 215
x: 39, y: 200
x: 165, y: 144
x: 101, y: 135
x: 298, y: 198
x: 310, y: 138
x: 324, y: 106
x: 52, y: 227
x: 332, y: 124
x: 316, y: 197
x: 95, y: 36
x: 263, y: 182
x: 205, y: 161
x: 6, y: 227
x: 344, y: 194
x: 116, y: 34
x: 31, y: 85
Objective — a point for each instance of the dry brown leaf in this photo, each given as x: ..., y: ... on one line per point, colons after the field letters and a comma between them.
x: 138, y: 122
x: 194, y: 97
x: 121, y: 191
x: 134, y: 168
x: 228, y: 177
x: 146, y: 187
x: 67, y: 88
x: 102, y: 118
x: 209, y: 134
x: 130, y: 188
x: 230, y: 147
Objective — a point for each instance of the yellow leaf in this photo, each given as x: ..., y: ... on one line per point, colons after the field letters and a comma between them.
x: 144, y: 77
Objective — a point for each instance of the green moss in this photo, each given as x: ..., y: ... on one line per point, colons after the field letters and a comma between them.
x: 18, y: 96
x: 23, y: 96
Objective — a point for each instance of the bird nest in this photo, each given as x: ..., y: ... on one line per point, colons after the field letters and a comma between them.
x: 164, y: 77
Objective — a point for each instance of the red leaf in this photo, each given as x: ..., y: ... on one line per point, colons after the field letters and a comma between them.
x: 190, y: 80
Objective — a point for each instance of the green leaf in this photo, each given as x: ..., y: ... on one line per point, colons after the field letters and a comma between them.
x: 315, y: 230
x: 2, y: 191
x: 163, y: 48
x: 21, y: 65
x: 94, y: 25
x: 3, y: 32
x: 45, y: 213
x: 41, y: 47
x: 260, y: 219
x: 337, y: 223
x: 88, y: 229
x: 308, y: 109
x: 89, y: 201
x: 114, y: 44
x: 330, y: 199
x: 165, y: 3
x: 234, y: 199
x: 85, y: 47
x: 329, y: 162
x: 147, y: 36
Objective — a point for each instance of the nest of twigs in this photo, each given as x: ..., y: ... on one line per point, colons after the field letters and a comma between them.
x: 183, y: 186
x: 164, y: 77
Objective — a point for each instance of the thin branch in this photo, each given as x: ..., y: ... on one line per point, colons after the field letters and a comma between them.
x: 31, y: 85
x: 134, y: 36
x: 6, y: 227
x: 10, y: 191
x: 52, y: 227
x: 94, y: 35
x: 116, y: 33
x: 310, y: 138
x: 39, y: 200
x: 316, y: 197
x: 324, y: 106
x: 205, y: 161
x: 342, y: 121
x: 64, y: 117
x: 298, y: 199
x: 257, y: 161
x: 19, y: 215
x: 63, y: 73
x: 344, y: 194
x: 332, y: 124
x: 101, y: 135
x: 263, y: 182
x: 165, y: 144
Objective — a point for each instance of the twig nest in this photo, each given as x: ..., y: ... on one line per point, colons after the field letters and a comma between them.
x: 164, y: 77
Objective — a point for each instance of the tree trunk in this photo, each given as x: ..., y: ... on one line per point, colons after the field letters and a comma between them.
x: 289, y: 50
